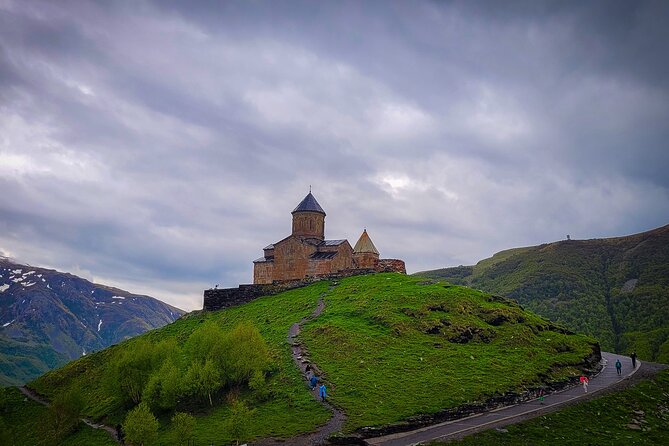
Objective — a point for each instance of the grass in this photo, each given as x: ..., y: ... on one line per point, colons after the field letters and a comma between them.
x: 289, y: 412
x: 393, y: 358
x: 581, y: 284
x: 22, y: 422
x: 390, y: 347
x: 605, y: 420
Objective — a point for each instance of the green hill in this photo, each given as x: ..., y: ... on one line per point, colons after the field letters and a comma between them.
x: 638, y: 415
x: 615, y: 289
x: 389, y: 346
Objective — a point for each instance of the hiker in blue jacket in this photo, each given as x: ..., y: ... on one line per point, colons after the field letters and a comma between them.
x: 313, y: 381
x: 323, y: 392
x: 619, y: 367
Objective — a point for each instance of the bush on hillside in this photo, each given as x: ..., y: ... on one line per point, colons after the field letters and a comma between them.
x: 182, y: 426
x: 140, y: 426
x: 64, y: 414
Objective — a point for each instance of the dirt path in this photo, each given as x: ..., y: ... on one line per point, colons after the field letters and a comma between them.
x: 300, y: 357
x: 40, y: 399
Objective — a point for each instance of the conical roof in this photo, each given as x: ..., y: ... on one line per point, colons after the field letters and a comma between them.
x: 365, y: 244
x: 309, y: 204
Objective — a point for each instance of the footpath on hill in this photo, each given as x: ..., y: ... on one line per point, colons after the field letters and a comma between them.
x: 607, y: 379
x: 40, y: 399
x: 300, y: 358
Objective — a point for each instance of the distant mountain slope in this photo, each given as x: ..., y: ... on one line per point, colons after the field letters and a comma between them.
x: 48, y: 318
x: 615, y: 289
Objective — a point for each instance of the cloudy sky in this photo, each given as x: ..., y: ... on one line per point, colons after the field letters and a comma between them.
x: 159, y: 146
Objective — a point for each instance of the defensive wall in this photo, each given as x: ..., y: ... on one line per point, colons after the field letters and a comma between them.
x: 219, y: 298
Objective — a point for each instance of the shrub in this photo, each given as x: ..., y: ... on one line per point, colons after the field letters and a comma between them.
x: 140, y: 426
x: 182, y: 425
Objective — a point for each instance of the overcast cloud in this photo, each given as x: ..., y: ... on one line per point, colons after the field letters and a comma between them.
x: 160, y: 146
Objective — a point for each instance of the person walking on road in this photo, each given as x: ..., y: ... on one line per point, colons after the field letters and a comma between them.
x: 323, y: 392
x: 584, y: 381
x: 633, y: 356
x: 619, y: 367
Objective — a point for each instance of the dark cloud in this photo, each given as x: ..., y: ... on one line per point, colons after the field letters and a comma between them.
x: 158, y: 146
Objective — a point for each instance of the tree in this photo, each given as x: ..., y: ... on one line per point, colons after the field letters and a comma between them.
x: 140, y: 426
x: 131, y: 371
x: 244, y: 351
x: 205, y: 379
x: 163, y: 387
x: 205, y: 342
x: 183, y: 424
x: 239, y: 423
x: 64, y: 413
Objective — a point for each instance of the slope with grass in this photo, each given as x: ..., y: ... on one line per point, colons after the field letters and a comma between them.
x: 615, y: 289
x: 638, y: 415
x: 389, y: 347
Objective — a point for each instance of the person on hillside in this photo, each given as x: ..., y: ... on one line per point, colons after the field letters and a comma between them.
x: 619, y: 367
x: 541, y: 396
x: 584, y: 380
x: 323, y: 392
x: 633, y: 356
x: 313, y: 381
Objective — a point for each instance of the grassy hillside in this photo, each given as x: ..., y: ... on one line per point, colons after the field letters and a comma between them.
x: 22, y: 421
x: 638, y: 415
x: 616, y: 289
x: 390, y: 347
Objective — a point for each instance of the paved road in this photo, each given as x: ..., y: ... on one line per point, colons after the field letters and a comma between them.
x: 511, y: 414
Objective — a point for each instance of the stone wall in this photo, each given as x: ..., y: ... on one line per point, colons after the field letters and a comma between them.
x: 216, y: 299
x: 391, y: 266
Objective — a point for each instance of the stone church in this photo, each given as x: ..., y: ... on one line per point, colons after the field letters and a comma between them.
x: 306, y: 254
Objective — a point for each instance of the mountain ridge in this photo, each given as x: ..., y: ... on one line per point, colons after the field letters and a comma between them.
x: 616, y: 289
x: 48, y: 317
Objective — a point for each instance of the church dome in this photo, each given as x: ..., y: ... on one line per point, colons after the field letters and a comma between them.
x: 309, y: 204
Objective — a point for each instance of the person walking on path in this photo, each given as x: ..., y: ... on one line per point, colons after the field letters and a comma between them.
x: 633, y: 356
x: 584, y: 381
x: 313, y: 381
x: 619, y: 367
x: 323, y: 392
x: 541, y: 396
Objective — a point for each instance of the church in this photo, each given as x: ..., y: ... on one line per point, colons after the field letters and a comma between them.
x: 306, y: 254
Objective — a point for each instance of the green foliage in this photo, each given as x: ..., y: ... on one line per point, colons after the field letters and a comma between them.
x: 258, y: 385
x: 140, y: 426
x: 244, y: 352
x: 586, y: 285
x: 239, y: 422
x: 130, y: 371
x: 204, y: 379
x: 27, y: 423
x: 638, y: 416
x: 64, y: 414
x: 182, y: 425
x: 164, y: 386
x: 384, y: 342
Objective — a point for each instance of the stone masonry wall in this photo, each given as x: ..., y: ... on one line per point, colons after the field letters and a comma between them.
x: 217, y: 299
x: 391, y: 265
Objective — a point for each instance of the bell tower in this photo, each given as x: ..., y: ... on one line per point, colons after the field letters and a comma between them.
x: 309, y: 219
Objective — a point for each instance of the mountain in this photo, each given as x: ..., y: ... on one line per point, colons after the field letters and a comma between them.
x: 48, y: 318
x: 388, y: 346
x: 615, y: 289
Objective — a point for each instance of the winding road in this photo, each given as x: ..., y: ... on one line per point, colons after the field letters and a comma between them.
x: 515, y: 413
